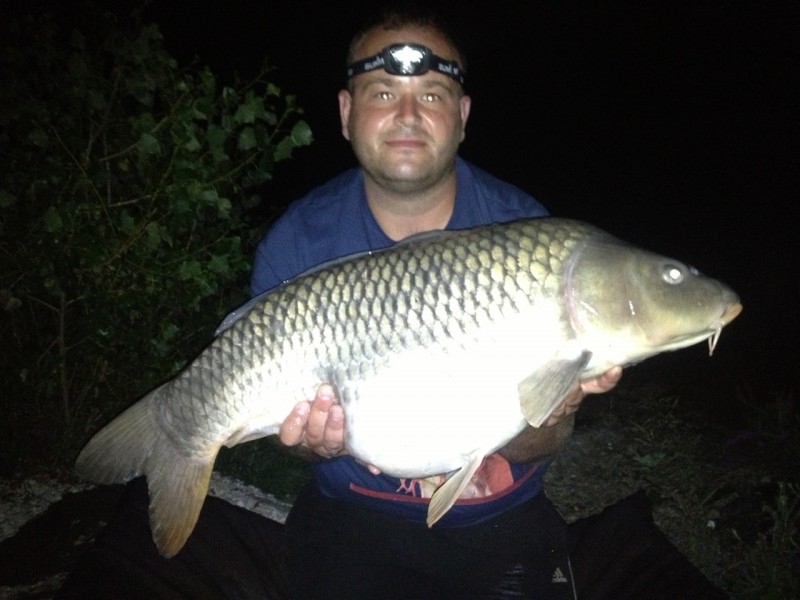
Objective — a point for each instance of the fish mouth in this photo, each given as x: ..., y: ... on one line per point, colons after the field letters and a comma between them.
x: 729, y: 315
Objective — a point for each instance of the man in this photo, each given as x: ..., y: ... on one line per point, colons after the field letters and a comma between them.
x: 356, y: 533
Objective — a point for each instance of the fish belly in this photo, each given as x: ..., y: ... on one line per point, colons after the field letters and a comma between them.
x: 428, y: 410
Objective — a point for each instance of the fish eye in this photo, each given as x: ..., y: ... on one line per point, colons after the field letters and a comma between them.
x: 672, y: 273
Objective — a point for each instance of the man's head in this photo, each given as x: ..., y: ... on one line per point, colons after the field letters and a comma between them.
x: 405, y: 123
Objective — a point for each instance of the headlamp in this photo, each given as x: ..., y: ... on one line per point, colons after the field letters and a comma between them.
x: 407, y: 60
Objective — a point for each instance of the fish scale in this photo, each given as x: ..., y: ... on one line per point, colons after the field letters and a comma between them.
x: 475, y: 334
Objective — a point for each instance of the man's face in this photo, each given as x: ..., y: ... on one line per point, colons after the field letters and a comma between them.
x: 405, y: 130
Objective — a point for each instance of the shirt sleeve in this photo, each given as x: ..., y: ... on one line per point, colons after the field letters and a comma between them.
x: 274, y: 258
x: 322, y: 226
x: 265, y: 275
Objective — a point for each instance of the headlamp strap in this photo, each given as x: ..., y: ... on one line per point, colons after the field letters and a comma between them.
x: 407, y: 60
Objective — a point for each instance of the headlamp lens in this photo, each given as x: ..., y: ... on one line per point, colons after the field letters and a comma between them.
x: 407, y: 60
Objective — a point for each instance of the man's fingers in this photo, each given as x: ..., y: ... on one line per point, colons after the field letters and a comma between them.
x: 292, y: 430
x: 333, y: 434
x: 324, y: 430
x: 318, y: 416
x: 603, y: 383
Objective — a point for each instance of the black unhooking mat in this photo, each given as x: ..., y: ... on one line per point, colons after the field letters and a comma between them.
x: 620, y: 554
x: 233, y: 553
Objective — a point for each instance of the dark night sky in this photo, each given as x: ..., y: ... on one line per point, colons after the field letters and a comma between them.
x: 671, y: 124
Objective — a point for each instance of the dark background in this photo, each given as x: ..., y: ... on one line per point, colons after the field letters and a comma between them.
x: 672, y: 125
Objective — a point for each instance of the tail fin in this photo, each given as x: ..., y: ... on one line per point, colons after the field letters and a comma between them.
x: 133, y: 444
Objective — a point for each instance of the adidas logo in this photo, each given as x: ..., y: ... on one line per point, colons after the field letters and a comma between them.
x: 558, y: 576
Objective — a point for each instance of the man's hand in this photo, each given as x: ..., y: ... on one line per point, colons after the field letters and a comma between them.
x: 317, y: 425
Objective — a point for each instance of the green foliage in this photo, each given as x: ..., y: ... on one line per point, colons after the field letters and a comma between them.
x: 126, y: 192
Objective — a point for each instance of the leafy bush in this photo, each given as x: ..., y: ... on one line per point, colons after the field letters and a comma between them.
x: 125, y: 205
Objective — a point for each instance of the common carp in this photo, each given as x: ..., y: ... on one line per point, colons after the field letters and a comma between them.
x: 475, y: 333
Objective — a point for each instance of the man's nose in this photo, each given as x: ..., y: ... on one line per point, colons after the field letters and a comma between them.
x: 408, y: 109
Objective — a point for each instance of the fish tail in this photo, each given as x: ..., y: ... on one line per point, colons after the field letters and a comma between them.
x: 133, y: 444
x: 178, y: 488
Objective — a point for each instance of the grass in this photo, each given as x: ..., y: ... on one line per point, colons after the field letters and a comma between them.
x: 727, y: 496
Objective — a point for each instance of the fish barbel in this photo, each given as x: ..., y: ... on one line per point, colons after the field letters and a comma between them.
x: 476, y: 333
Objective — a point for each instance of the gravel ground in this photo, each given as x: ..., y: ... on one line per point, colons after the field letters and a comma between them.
x: 21, y: 501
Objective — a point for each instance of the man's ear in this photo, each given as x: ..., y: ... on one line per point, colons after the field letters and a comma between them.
x: 345, y: 103
x: 464, y: 103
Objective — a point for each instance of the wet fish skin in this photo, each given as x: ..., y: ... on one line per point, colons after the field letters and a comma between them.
x: 475, y: 333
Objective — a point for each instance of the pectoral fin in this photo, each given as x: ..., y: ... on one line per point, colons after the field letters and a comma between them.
x: 543, y: 390
x: 447, y: 493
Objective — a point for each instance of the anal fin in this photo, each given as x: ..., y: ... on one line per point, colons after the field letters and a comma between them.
x: 447, y: 493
